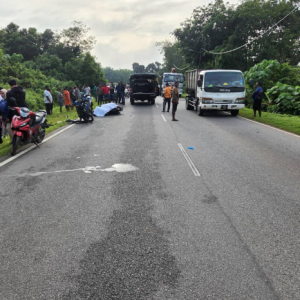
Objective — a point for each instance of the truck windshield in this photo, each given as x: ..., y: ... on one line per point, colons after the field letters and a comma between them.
x: 224, y: 80
x: 173, y: 78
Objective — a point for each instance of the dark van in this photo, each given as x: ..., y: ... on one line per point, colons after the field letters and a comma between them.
x: 143, y: 87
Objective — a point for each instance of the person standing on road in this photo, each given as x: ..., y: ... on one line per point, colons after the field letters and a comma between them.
x: 100, y: 94
x: 257, y: 99
x: 105, y: 90
x: 118, y: 88
x: 111, y: 92
x: 123, y: 93
x: 60, y: 98
x: 47, y: 99
x: 167, y: 97
x: 175, y: 100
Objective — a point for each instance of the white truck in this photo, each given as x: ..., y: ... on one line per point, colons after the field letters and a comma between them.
x: 215, y: 90
x: 171, y: 78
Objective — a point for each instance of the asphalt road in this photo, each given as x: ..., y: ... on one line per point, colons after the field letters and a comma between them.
x: 114, y: 210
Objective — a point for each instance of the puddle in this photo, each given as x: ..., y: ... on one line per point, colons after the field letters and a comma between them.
x: 121, y: 168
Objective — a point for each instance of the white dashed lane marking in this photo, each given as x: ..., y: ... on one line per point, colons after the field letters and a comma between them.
x: 164, y: 118
x: 189, y: 161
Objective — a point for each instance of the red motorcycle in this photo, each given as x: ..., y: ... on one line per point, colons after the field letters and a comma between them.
x: 28, y: 127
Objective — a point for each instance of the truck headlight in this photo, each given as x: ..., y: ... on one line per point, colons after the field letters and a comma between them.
x: 240, y: 100
x: 207, y: 100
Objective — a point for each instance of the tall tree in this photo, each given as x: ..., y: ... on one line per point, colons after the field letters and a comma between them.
x: 220, y: 27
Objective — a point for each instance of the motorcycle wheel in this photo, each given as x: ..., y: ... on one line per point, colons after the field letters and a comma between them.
x: 15, y: 143
x: 40, y: 135
x: 91, y: 118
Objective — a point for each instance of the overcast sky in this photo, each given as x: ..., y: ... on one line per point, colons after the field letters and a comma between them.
x: 126, y: 30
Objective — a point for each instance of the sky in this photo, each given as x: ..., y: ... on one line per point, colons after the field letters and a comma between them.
x: 126, y: 30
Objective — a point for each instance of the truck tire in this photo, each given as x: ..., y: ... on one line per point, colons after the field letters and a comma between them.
x: 234, y: 112
x: 152, y: 101
x: 200, y: 112
x: 187, y: 105
x: 197, y: 103
x: 131, y: 101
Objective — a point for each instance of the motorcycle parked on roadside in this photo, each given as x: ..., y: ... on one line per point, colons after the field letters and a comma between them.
x: 28, y: 127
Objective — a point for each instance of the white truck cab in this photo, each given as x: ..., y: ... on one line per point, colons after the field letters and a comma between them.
x: 171, y: 78
x: 215, y: 90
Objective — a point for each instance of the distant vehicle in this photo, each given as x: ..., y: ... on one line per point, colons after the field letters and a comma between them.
x: 215, y: 90
x: 143, y: 87
x: 171, y: 78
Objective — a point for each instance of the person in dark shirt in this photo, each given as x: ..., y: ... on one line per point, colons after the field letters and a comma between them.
x: 15, y: 98
x: 112, y: 91
x: 123, y: 93
x: 16, y: 92
x: 257, y: 99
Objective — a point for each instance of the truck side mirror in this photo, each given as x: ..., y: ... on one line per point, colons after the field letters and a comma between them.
x: 199, y: 83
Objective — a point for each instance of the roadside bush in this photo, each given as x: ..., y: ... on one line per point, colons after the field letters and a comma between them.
x: 284, y: 98
x: 279, y: 82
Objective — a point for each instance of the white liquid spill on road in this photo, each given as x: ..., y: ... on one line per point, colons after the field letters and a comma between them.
x: 119, y: 168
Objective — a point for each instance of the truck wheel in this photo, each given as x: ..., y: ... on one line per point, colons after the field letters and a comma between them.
x: 234, y: 112
x: 152, y: 101
x: 131, y: 101
x: 187, y: 105
x: 197, y: 103
x: 200, y: 112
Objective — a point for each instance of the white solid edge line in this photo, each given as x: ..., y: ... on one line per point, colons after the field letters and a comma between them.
x: 269, y: 126
x: 163, y: 118
x: 189, y: 161
x: 34, y: 146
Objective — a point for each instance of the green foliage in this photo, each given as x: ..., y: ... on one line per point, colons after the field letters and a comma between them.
x: 55, y: 59
x: 117, y: 75
x: 173, y: 56
x: 285, y: 99
x: 220, y: 27
x: 281, y: 83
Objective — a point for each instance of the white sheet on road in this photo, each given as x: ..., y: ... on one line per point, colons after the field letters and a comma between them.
x: 100, y: 111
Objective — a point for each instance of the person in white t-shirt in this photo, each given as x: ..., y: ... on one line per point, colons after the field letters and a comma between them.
x: 87, y: 90
x: 48, y: 100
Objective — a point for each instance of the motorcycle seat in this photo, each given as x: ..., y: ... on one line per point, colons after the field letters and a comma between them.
x: 38, y: 117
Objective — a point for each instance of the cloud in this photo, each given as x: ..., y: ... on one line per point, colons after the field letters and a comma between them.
x: 126, y: 30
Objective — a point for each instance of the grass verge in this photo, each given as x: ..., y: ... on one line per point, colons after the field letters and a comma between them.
x: 285, y: 122
x: 57, y: 119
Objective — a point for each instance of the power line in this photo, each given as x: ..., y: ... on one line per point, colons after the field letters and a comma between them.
x: 219, y: 53
x: 187, y: 66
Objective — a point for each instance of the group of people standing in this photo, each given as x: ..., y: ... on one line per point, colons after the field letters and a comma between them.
x: 13, y: 97
x: 104, y: 93
x: 66, y: 97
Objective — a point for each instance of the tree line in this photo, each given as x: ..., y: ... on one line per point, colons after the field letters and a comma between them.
x: 219, y: 27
